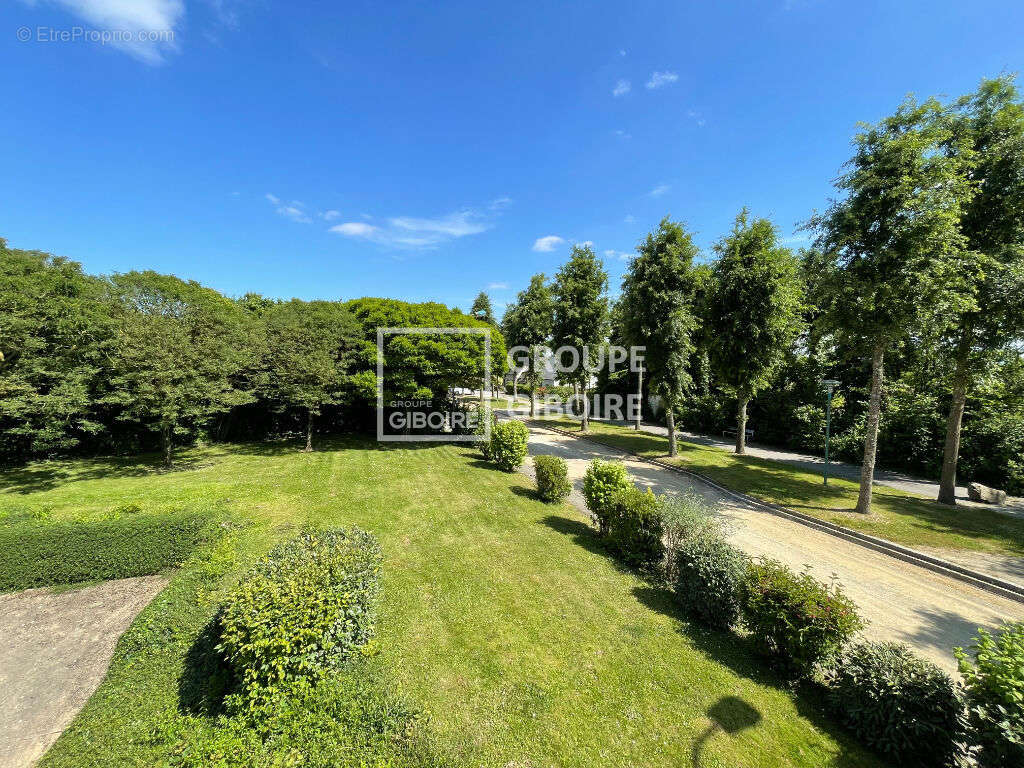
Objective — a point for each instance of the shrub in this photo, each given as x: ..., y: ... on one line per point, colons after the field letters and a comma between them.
x: 552, y: 478
x: 897, y: 703
x: 794, y: 618
x: 994, y: 689
x: 634, y: 530
x: 303, y: 610
x: 481, y: 429
x: 709, y: 574
x: 38, y: 554
x: 684, y: 516
x: 508, y: 444
x: 603, y: 480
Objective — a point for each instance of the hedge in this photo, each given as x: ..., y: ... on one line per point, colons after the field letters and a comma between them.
x: 508, y: 444
x: 303, y: 610
x: 708, y: 576
x: 552, y: 478
x: 634, y: 527
x: 38, y: 554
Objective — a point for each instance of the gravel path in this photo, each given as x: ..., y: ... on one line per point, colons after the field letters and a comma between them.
x: 56, y: 650
x: 903, y: 602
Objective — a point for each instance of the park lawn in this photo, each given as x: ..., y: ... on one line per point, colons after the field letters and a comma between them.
x: 898, y: 516
x: 502, y: 617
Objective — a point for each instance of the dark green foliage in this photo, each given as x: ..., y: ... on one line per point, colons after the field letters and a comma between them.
x: 508, y: 444
x: 897, y: 703
x: 37, y: 554
x: 302, y: 611
x: 352, y: 720
x: 709, y: 574
x: 552, y: 478
x: 794, y: 618
x: 603, y: 479
x: 994, y: 689
x: 634, y: 529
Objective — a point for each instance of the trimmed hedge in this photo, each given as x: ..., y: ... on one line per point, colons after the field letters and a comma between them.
x: 794, y: 618
x: 508, y: 444
x: 897, y: 703
x: 552, y: 478
x: 634, y: 527
x: 303, y: 610
x: 709, y: 575
x: 39, y: 554
x: 601, y: 482
x: 994, y: 689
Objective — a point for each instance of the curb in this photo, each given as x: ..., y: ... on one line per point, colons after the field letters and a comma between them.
x: 936, y: 564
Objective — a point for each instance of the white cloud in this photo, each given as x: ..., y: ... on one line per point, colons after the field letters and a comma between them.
x: 620, y: 255
x: 623, y: 135
x: 295, y: 210
x: 273, y: 198
x: 156, y: 19
x: 330, y: 215
x: 453, y: 225
x: 547, y: 243
x: 661, y: 79
x: 630, y: 218
x: 622, y: 87
x: 500, y: 203
x: 497, y: 286
x: 697, y: 117
x: 586, y: 244
x: 354, y: 229
x: 660, y: 190
x: 622, y: 51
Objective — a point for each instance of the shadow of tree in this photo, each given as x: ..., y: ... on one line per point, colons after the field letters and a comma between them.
x: 206, y: 678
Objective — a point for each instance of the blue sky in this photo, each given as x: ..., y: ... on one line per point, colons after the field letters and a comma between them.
x: 432, y: 150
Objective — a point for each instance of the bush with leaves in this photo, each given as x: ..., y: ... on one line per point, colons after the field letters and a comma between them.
x: 897, y: 703
x: 634, y: 530
x: 552, y: 478
x: 480, y: 429
x: 994, y: 689
x: 709, y: 574
x: 795, y: 619
x: 601, y: 482
x: 302, y: 611
x: 508, y: 444
x: 684, y: 516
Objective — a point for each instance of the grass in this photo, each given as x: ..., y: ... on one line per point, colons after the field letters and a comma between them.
x: 502, y: 616
x: 897, y: 515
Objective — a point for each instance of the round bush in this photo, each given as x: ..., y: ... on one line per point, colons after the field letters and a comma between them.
x: 552, y: 478
x: 994, y: 688
x: 603, y: 480
x: 508, y: 444
x: 794, y: 618
x: 709, y: 574
x: 897, y: 703
x: 634, y: 527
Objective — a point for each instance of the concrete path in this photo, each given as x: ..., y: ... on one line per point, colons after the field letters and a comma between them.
x: 56, y: 650
x: 903, y: 602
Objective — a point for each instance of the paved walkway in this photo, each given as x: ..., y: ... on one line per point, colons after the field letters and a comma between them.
x: 56, y: 649
x: 903, y: 602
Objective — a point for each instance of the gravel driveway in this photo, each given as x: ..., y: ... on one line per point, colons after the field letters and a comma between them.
x: 903, y: 602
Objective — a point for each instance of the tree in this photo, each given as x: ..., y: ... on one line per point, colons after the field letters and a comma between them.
x: 581, y: 317
x: 754, y: 311
x: 174, y: 355
x: 657, y: 309
x: 481, y: 309
x: 892, y: 241
x: 987, y: 132
x: 527, y: 323
x: 308, y: 345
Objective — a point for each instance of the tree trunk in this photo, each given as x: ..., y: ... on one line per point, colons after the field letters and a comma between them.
x: 670, y: 422
x: 309, y: 430
x: 867, y: 469
x: 947, y: 484
x: 741, y: 424
x: 167, y: 446
x: 585, y: 417
x: 639, y: 399
x: 515, y: 388
x: 533, y: 395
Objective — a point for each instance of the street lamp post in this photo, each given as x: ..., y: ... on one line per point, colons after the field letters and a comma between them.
x: 830, y: 385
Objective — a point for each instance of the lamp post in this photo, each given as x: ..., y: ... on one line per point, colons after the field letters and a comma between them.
x: 830, y: 385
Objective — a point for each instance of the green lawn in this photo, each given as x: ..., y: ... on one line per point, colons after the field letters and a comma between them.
x: 897, y: 515
x: 502, y: 617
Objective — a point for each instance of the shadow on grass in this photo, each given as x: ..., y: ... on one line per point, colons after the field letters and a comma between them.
x: 526, y: 493
x: 206, y: 678
x: 45, y: 476
x: 581, y: 534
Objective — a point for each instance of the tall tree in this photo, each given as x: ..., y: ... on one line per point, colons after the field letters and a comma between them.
x: 892, y: 241
x: 527, y: 323
x: 987, y: 132
x: 481, y: 309
x: 308, y: 345
x: 176, y: 350
x: 754, y: 311
x: 658, y: 312
x: 581, y: 317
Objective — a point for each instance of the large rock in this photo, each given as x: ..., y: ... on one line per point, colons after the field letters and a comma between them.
x: 979, y: 492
